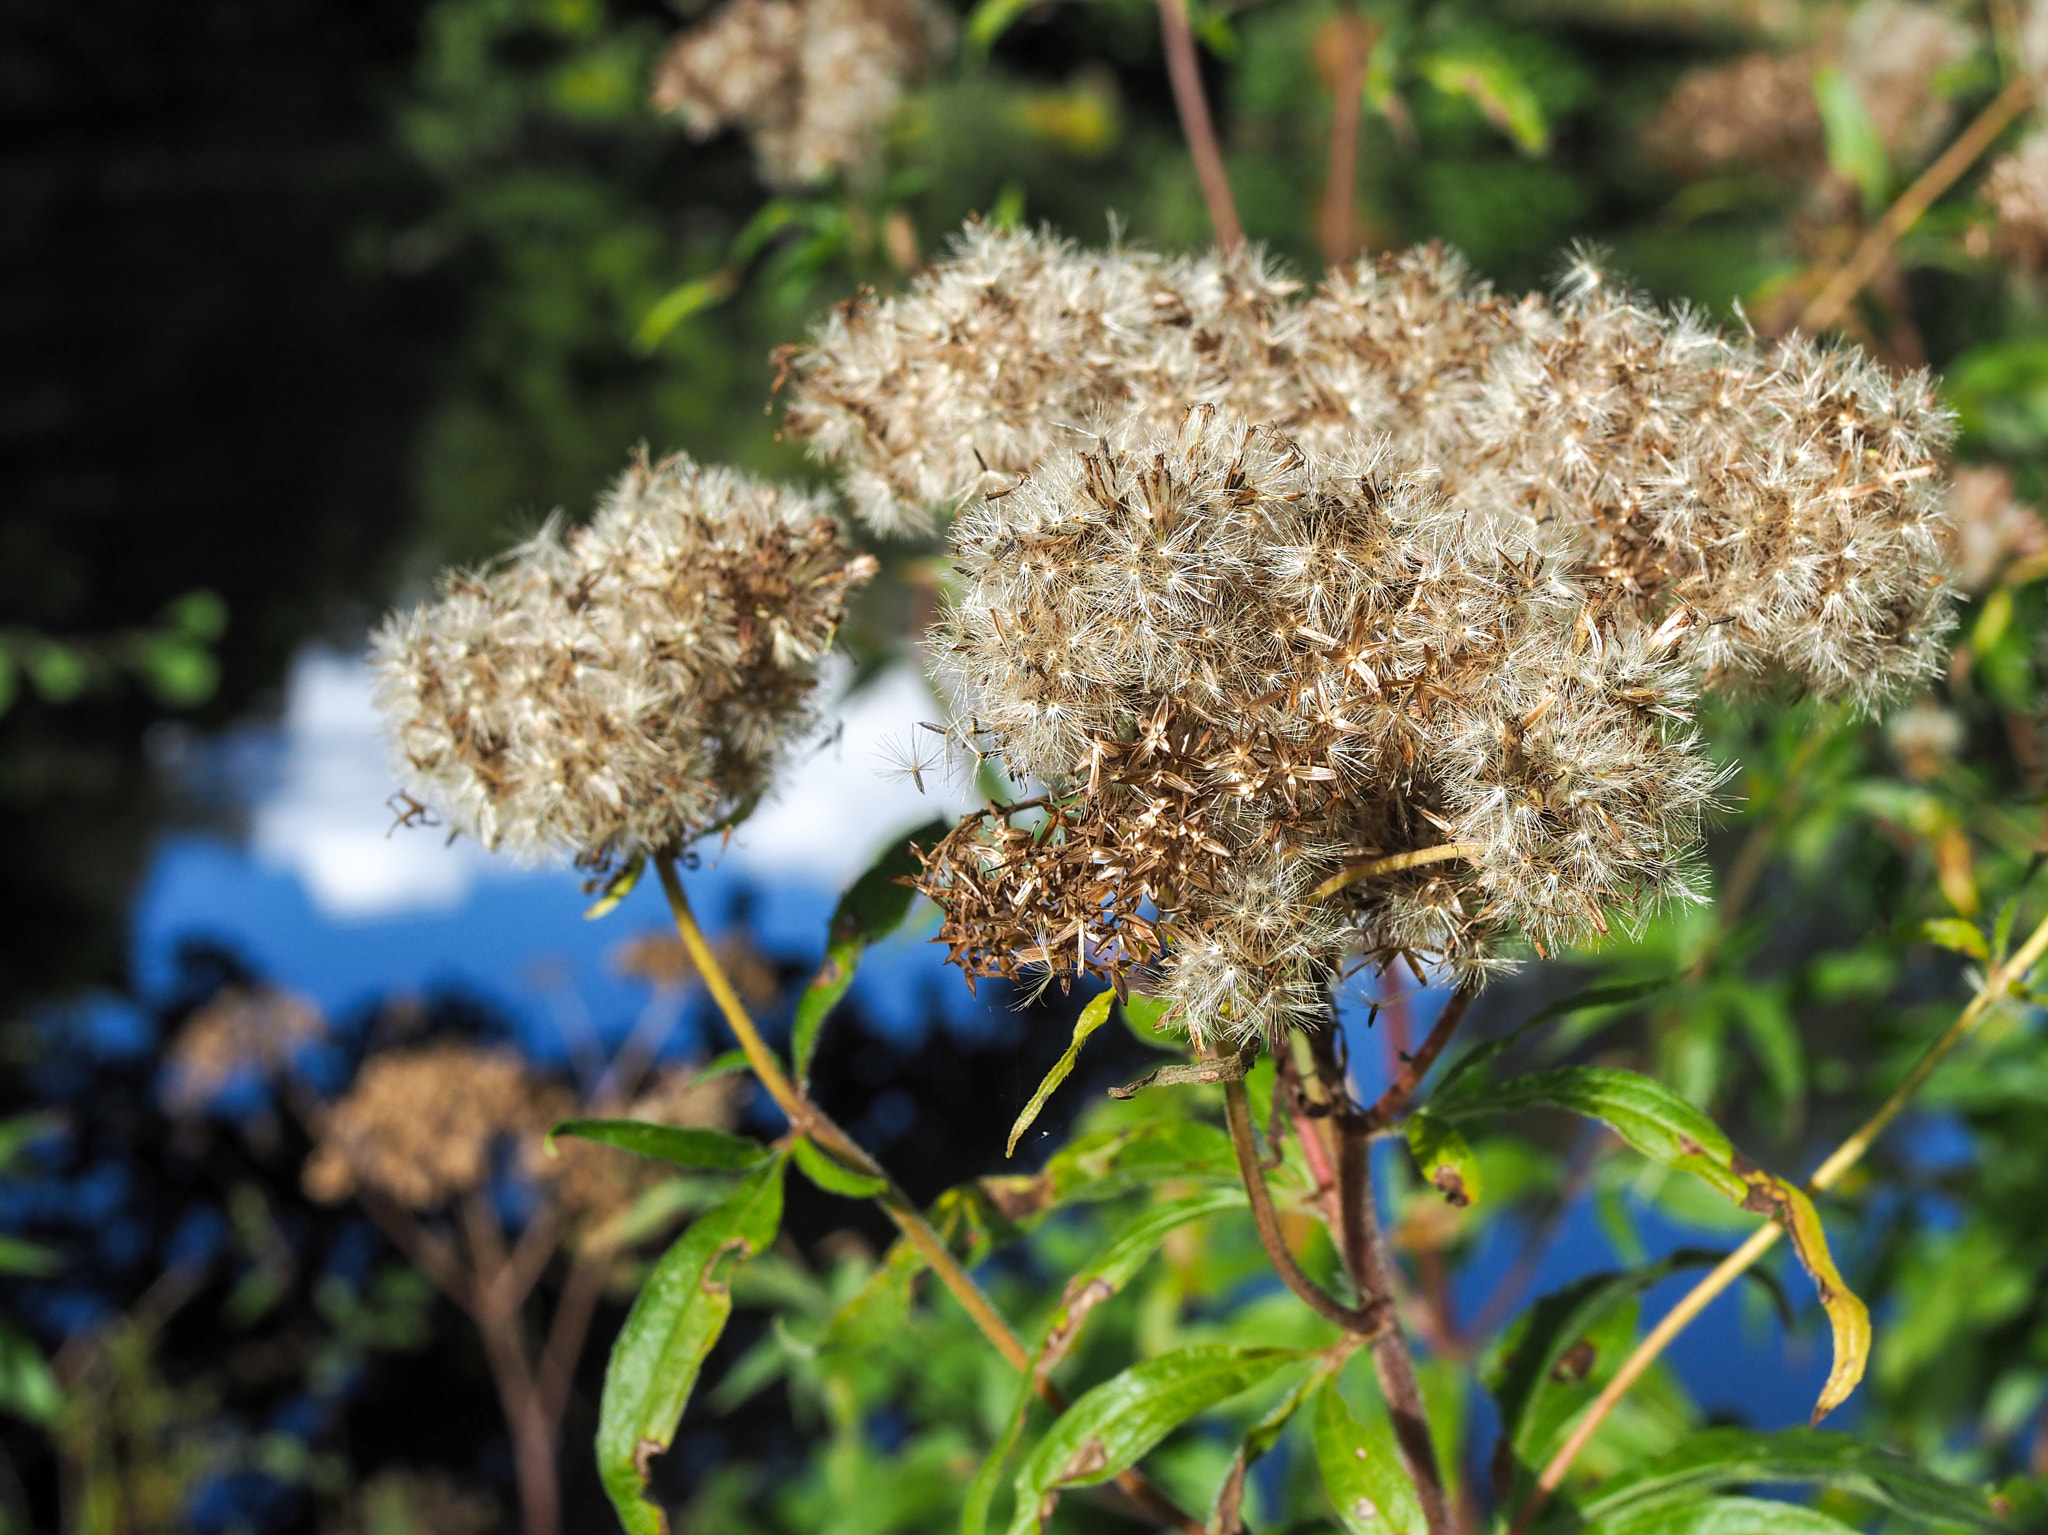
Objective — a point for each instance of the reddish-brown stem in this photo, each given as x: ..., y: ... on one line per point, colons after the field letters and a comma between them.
x: 1184, y: 71
x: 1416, y: 1066
x: 1366, y: 1318
x: 498, y: 1323
x: 1338, y: 224
x: 1392, y: 1361
x: 566, y: 1334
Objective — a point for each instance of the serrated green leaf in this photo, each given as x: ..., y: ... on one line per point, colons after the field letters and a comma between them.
x: 617, y: 888
x: 1445, y: 1157
x: 1093, y: 1017
x: 1362, y: 1470
x: 1954, y: 933
x: 1742, y: 1457
x: 676, y: 1318
x: 832, y: 1176
x: 1664, y: 1127
x: 701, y: 1150
x: 1113, y: 1425
x: 873, y: 907
x: 1725, y: 1516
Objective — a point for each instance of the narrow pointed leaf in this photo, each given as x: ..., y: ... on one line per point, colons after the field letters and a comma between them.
x: 1362, y: 1471
x: 1093, y: 1017
x: 699, y: 1149
x: 1112, y: 1426
x: 1226, y: 1518
x: 873, y: 907
x: 1664, y: 1127
x: 832, y: 1176
x: 1725, y: 1516
x: 675, y: 1320
x: 1742, y: 1457
x: 616, y: 889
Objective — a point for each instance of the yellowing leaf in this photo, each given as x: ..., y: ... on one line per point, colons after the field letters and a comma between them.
x: 1093, y: 1017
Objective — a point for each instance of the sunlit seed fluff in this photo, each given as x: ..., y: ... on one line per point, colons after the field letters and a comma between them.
x: 1236, y: 666
x: 1756, y: 112
x: 1015, y: 344
x: 813, y: 83
x: 625, y: 688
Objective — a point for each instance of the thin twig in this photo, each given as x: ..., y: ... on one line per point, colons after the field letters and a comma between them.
x: 1875, y: 247
x: 1416, y: 1066
x: 1393, y: 863
x: 1997, y: 985
x: 1364, y: 1319
x: 806, y: 1117
x: 567, y: 1331
x: 1184, y: 71
x: 1338, y: 224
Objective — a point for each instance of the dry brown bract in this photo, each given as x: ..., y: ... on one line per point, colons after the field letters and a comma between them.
x: 813, y: 83
x: 624, y: 689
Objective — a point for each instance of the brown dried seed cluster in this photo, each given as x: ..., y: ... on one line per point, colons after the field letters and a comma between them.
x: 813, y: 83
x: 239, y: 1033
x: 626, y: 688
x: 422, y: 1126
x: 2017, y: 189
x: 1237, y: 668
x: 1990, y: 531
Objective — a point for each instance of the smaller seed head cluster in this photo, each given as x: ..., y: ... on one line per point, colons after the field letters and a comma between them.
x: 239, y: 1034
x: 624, y: 688
x: 1234, y: 668
x: 813, y: 83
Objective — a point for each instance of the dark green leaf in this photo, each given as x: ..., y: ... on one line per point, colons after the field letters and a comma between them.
x: 1741, y: 1457
x: 1110, y: 1427
x: 1362, y: 1470
x: 873, y: 907
x: 1725, y: 1516
x: 675, y: 1320
x: 692, y: 1148
x: 832, y: 1176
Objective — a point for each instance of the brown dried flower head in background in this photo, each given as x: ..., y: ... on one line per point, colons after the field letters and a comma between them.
x: 401, y: 1501
x: 1990, y: 531
x: 422, y: 1126
x: 1235, y: 668
x: 2017, y: 190
x: 624, y: 689
x: 240, y: 1033
x: 813, y: 83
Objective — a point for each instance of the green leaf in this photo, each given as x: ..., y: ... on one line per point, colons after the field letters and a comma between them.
x: 20, y: 1131
x: 23, y: 1257
x: 990, y: 19
x: 10, y: 680
x: 879, y: 1308
x: 1445, y: 1157
x: 832, y: 1176
x: 201, y: 614
x: 1362, y: 1470
x: 713, y: 1149
x: 675, y: 1320
x: 1497, y: 88
x: 678, y: 304
x: 1618, y: 995
x: 1093, y: 1017
x: 1145, y: 1017
x: 60, y: 672
x: 1855, y: 148
x: 617, y: 888
x: 1664, y: 1127
x: 1742, y: 1457
x: 1113, y: 1425
x: 28, y: 1386
x: 1954, y: 933
x: 1258, y: 1440
x: 1725, y: 1516
x: 873, y: 907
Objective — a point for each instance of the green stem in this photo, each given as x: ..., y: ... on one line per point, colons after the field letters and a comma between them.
x: 808, y: 1119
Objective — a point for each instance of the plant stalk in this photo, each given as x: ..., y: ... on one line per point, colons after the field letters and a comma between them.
x: 1416, y: 1066
x: 1876, y: 245
x: 1393, y: 863
x: 2002, y: 979
x: 808, y: 1119
x: 1184, y: 71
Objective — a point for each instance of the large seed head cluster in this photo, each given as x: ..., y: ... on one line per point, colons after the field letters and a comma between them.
x: 625, y: 688
x: 1422, y: 569
x: 813, y: 83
